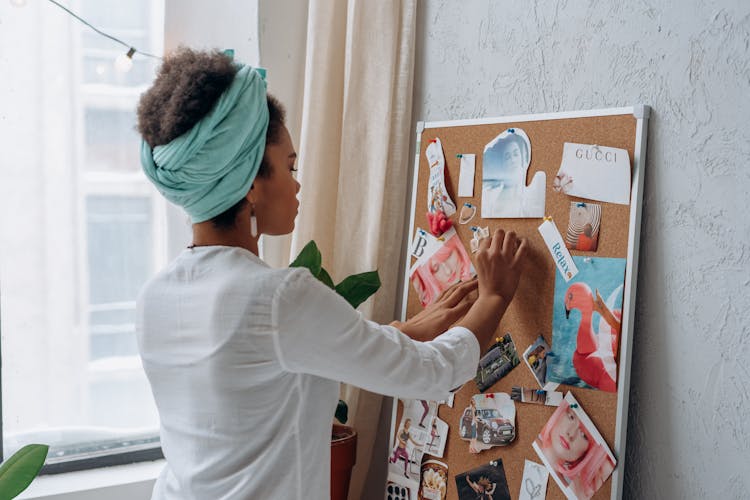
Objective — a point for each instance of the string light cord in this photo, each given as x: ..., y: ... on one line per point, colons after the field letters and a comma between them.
x: 107, y: 35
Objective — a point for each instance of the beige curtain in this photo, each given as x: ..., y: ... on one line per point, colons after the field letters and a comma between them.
x: 354, y: 147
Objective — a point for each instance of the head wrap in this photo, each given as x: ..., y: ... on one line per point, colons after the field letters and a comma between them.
x: 211, y: 167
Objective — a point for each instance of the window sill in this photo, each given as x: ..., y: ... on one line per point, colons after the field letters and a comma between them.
x: 118, y: 482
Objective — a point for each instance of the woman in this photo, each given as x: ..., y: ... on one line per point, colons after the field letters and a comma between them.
x: 575, y: 456
x: 244, y: 361
x: 402, y: 440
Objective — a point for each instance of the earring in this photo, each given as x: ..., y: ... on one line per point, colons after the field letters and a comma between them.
x: 253, y: 222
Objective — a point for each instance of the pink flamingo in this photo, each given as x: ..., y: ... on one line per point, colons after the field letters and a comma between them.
x: 594, y: 358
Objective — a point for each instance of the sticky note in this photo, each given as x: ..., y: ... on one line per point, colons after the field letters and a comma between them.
x: 466, y: 175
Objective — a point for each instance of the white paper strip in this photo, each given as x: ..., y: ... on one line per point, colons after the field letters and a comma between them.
x: 466, y: 175
x: 556, y: 247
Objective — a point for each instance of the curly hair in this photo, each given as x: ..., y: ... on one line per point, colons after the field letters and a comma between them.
x: 187, y: 86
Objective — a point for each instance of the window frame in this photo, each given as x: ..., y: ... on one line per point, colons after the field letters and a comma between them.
x: 167, y: 231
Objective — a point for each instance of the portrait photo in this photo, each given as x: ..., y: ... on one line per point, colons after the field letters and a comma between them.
x: 573, y: 451
x: 505, y: 164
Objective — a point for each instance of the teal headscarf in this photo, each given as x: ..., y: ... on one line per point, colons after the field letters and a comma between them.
x: 211, y: 167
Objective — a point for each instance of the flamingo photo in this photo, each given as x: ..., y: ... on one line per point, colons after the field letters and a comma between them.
x: 586, y: 327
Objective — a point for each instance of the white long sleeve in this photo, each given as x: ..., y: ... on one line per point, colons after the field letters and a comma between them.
x: 244, y: 362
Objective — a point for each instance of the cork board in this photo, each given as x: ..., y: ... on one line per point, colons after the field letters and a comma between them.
x: 530, y: 314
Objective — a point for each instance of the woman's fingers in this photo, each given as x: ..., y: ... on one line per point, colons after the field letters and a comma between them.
x: 497, y: 240
x: 523, y: 248
x: 509, y: 244
x: 460, y: 291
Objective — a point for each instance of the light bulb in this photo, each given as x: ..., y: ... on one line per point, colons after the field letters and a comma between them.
x: 124, y: 62
x: 18, y: 3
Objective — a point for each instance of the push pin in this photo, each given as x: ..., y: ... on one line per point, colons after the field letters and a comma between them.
x: 574, y: 405
x: 459, y: 155
x: 581, y: 204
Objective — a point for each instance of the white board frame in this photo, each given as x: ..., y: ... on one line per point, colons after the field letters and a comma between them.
x: 641, y: 112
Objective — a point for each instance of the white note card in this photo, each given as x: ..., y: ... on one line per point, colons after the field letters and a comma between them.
x: 557, y: 249
x: 594, y: 172
x: 466, y: 175
x: 534, y: 482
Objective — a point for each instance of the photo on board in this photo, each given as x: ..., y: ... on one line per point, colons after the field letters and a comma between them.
x: 409, y: 442
x: 535, y: 357
x: 574, y: 451
x: 500, y: 359
x: 435, y: 272
x: 585, y: 326
x: 486, y: 482
x: 434, y: 484
x: 396, y: 491
x: 488, y: 421
x: 505, y: 164
x: 438, y: 436
x: 583, y: 228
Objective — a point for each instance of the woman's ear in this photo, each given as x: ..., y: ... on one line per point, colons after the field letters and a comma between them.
x: 252, y: 195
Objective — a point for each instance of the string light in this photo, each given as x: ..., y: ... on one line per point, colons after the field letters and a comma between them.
x: 123, y: 62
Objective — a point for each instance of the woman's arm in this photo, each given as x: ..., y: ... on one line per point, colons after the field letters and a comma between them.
x: 499, y: 262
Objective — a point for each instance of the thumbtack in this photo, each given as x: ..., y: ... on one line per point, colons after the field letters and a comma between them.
x: 459, y: 155
x: 587, y: 260
x: 467, y: 204
x: 512, y: 130
x: 540, y: 391
x: 574, y: 405
x: 548, y: 217
x: 580, y: 204
x: 433, y: 140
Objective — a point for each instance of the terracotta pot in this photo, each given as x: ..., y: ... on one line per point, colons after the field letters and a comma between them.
x: 343, y: 457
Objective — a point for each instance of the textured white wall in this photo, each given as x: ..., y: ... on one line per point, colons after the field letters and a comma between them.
x: 689, y: 435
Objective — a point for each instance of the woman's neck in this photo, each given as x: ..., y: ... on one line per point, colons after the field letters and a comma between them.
x: 206, y: 234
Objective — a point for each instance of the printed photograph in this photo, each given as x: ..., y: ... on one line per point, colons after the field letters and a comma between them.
x: 500, y: 359
x: 486, y: 482
x: 583, y: 228
x: 535, y: 357
x: 505, y: 163
x: 489, y: 420
x: 536, y: 396
x: 438, y: 435
x: 409, y: 442
x: 434, y: 273
x: 395, y: 491
x: 434, y: 485
x: 586, y: 326
x: 573, y: 451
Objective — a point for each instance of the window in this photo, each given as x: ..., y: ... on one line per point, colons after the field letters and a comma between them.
x: 82, y: 230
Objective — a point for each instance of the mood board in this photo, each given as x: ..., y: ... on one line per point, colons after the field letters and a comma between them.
x: 546, y: 415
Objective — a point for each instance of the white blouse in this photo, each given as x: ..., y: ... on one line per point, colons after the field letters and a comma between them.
x: 244, y: 362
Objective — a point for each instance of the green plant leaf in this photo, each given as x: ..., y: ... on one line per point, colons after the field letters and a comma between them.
x: 325, y: 278
x: 358, y: 287
x: 310, y: 258
x: 342, y: 412
x: 19, y: 470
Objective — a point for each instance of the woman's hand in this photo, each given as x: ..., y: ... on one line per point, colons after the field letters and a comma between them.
x: 436, y: 318
x: 499, y: 261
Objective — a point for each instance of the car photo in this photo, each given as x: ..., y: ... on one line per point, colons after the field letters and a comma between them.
x: 493, y: 428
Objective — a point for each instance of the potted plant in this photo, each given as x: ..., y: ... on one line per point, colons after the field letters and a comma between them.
x: 355, y: 289
x: 17, y: 473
